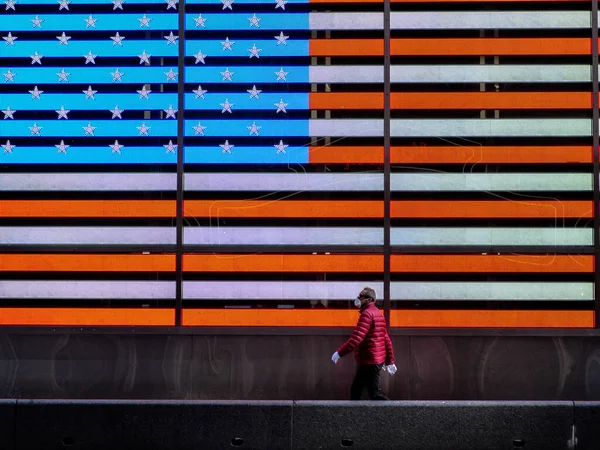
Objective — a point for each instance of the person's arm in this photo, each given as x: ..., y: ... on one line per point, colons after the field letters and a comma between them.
x: 389, y: 351
x: 358, y: 335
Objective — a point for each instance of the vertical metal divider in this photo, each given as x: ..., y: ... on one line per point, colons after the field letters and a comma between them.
x: 387, y: 160
x: 595, y: 143
x: 180, y: 154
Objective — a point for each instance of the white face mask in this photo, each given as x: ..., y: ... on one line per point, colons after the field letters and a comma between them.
x: 357, y: 302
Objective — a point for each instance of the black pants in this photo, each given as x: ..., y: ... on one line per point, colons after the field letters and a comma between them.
x: 367, y: 376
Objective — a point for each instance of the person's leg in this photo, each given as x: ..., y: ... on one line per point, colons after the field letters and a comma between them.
x: 372, y: 383
x: 359, y: 383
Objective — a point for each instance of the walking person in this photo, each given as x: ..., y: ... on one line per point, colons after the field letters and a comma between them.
x: 372, y: 348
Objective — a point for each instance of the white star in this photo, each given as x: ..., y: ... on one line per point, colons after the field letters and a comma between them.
x: 36, y: 93
x: 90, y: 58
x: 62, y: 112
x: 10, y: 39
x: 253, y: 129
x: 37, y: 22
x: 117, y: 75
x: 226, y: 147
x: 254, y: 21
x: 89, y: 130
x: 144, y: 21
x: 281, y: 75
x: 253, y: 92
x: 171, y: 4
x: 227, y: 44
x: 171, y: 76
x: 227, y: 75
x: 63, y: 76
x: 90, y: 22
x: 9, y: 76
x: 281, y: 39
x: 143, y: 129
x: 144, y: 58
x: 118, y: 4
x: 171, y: 38
x: 199, y: 93
x: 35, y: 130
x: 280, y: 4
x: 281, y: 106
x: 62, y: 148
x: 64, y: 4
x: 281, y: 147
x: 10, y: 4
x: 227, y: 106
x: 200, y: 21
x: 89, y: 93
x: 170, y: 147
x: 199, y: 57
x: 116, y: 112
x: 116, y: 147
x: 144, y: 92
x: 117, y: 39
x: 36, y: 58
x: 8, y: 113
x: 199, y: 130
x: 170, y: 112
x: 63, y: 39
x: 227, y: 4
x: 8, y: 147
x: 254, y: 51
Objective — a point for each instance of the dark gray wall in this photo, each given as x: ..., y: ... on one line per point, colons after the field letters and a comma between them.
x: 253, y: 367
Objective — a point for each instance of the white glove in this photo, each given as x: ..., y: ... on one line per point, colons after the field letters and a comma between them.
x: 391, y: 369
x: 335, y: 357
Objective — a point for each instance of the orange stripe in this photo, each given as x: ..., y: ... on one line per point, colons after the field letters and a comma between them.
x: 282, y: 208
x: 452, y: 154
x: 87, y: 208
x: 282, y: 263
x: 340, y: 155
x: 87, y: 317
x: 492, y: 263
x: 86, y: 263
x: 452, y: 100
x: 399, y: 318
x: 491, y: 319
x: 490, y: 46
x: 452, y: 46
x: 491, y: 209
x: 445, y: 1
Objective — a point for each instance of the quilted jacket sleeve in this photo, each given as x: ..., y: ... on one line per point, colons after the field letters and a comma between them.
x: 389, y: 351
x: 358, y: 335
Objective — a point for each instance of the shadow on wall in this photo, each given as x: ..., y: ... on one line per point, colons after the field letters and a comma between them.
x: 293, y: 367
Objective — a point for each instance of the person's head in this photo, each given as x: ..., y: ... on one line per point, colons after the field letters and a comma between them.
x: 367, y: 295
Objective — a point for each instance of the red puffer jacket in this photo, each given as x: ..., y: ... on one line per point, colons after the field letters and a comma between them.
x: 369, y: 340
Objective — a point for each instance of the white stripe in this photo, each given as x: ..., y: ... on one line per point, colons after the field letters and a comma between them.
x: 483, y: 74
x: 575, y: 73
x: 345, y: 127
x: 345, y: 21
x: 295, y: 182
x: 283, y: 236
x: 491, y: 236
x: 275, y: 290
x: 469, y: 127
x: 87, y: 235
x: 492, y: 291
x: 87, y: 289
x: 447, y: 20
x: 432, y: 182
x: 88, y: 182
x: 319, y: 290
